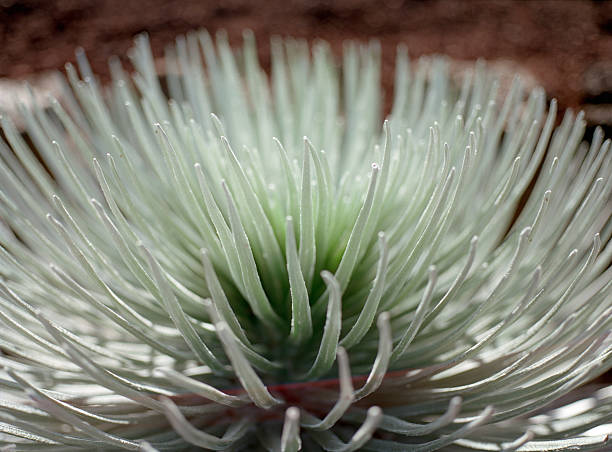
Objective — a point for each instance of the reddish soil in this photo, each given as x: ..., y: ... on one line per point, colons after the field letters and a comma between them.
x: 567, y: 45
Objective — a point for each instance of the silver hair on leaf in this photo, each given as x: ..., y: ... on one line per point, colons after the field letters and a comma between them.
x: 236, y: 261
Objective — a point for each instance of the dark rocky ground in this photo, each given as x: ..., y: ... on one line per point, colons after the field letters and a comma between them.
x: 566, y: 44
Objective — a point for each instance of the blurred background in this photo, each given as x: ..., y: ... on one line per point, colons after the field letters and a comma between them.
x: 563, y: 45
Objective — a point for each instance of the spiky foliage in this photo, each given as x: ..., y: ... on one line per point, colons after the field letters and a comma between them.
x: 174, y: 279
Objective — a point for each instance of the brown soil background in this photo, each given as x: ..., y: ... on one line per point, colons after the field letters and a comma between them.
x: 566, y: 45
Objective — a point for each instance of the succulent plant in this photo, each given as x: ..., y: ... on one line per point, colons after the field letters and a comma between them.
x: 216, y: 262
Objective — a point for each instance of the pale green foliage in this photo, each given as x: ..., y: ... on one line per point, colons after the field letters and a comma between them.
x: 264, y: 264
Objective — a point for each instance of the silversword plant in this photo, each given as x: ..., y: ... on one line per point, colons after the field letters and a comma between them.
x: 235, y: 261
